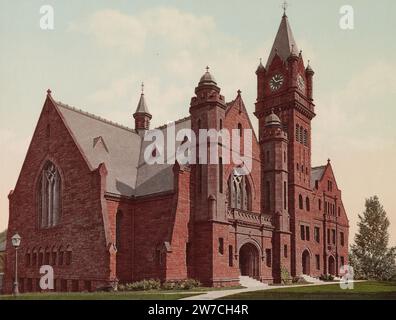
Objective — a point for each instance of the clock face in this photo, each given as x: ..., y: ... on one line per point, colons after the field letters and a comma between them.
x: 276, y: 82
x: 300, y: 82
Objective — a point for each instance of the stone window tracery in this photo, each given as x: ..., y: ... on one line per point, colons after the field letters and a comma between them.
x: 239, y: 194
x: 49, y: 196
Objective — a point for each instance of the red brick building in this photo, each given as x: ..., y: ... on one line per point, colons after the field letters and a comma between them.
x: 88, y: 204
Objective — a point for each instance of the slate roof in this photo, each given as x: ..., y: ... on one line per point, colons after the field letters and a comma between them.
x: 316, y: 174
x: 142, y: 105
x: 122, y: 151
x: 283, y: 43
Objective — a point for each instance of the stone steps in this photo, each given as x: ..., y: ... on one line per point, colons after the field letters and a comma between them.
x: 249, y: 282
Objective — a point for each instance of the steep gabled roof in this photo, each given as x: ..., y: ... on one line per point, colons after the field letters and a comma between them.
x: 284, y: 42
x: 122, y: 152
x: 157, y: 178
x: 317, y: 174
x: 122, y: 144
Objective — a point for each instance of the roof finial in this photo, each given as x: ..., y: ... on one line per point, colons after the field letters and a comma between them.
x: 49, y: 92
x: 207, y: 68
x: 328, y: 160
x: 142, y: 85
x: 285, y: 5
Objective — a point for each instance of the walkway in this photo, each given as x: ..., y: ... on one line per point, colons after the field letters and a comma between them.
x: 212, y: 295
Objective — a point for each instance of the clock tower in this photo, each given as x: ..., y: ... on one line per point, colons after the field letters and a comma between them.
x: 284, y: 86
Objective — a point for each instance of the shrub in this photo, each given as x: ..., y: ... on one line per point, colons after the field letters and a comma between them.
x: 285, y: 276
x: 326, y: 277
x: 143, y: 285
x: 181, y: 284
x: 121, y: 287
x: 299, y: 280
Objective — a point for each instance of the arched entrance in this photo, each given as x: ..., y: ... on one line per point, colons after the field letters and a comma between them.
x: 306, y: 262
x: 332, y: 265
x: 249, y: 260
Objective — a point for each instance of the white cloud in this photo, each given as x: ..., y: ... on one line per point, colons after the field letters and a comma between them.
x: 114, y: 29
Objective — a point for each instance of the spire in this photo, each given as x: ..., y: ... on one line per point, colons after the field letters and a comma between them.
x: 142, y: 106
x: 284, y: 43
x: 142, y: 115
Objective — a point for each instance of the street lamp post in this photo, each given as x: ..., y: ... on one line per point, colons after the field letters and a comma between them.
x: 16, y: 242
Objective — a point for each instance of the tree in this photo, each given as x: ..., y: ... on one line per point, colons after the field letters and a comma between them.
x: 369, y: 255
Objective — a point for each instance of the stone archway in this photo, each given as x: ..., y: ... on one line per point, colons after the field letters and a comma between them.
x: 332, y: 267
x: 249, y: 260
x: 306, y: 262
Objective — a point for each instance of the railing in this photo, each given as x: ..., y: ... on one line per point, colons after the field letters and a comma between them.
x: 249, y: 216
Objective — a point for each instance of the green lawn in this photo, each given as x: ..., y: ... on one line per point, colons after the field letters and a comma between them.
x: 371, y: 290
x: 130, y: 295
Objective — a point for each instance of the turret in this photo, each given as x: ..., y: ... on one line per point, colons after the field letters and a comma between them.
x: 142, y: 115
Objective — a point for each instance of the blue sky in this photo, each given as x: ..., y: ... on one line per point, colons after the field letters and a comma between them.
x: 100, y: 52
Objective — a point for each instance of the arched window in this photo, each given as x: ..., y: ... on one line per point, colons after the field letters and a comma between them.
x: 34, y: 257
x: 61, y: 256
x: 320, y: 204
x: 49, y: 196
x: 54, y: 256
x: 307, y: 203
x: 47, y: 256
x: 119, y: 218
x: 300, y: 202
x: 27, y: 258
x: 68, y: 255
x: 239, y: 193
x: 41, y: 257
x: 297, y: 132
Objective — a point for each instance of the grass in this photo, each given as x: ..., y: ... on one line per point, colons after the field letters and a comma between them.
x: 368, y: 290
x: 126, y: 295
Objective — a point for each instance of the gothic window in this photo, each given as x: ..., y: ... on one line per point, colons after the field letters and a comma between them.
x: 27, y: 259
x: 230, y: 257
x: 307, y: 205
x: 49, y: 196
x: 239, y: 194
x: 268, y: 257
x: 297, y: 132
x: 302, y: 232
x: 300, y: 202
x: 68, y: 256
x: 221, y: 245
x: 284, y: 195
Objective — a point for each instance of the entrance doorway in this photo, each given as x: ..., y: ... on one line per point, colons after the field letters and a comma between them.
x: 306, y: 262
x: 332, y: 265
x: 249, y: 260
